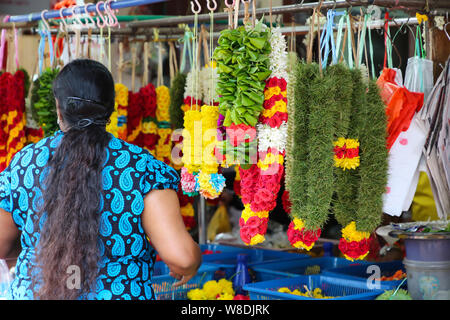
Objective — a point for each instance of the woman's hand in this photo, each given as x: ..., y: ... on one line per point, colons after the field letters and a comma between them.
x: 164, y: 226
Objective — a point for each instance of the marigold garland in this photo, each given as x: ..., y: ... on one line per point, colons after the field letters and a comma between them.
x: 118, y: 120
x: 164, y: 146
x: 192, y: 152
x: 211, y: 183
x: 12, y: 116
x: 346, y: 153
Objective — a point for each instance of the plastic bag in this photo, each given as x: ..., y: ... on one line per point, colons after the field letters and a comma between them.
x: 419, y: 75
x: 5, y: 280
x: 220, y: 223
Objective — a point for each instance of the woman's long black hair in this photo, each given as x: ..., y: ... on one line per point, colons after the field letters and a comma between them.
x: 84, y: 90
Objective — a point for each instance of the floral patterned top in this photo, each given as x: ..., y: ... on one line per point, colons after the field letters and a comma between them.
x: 127, y: 258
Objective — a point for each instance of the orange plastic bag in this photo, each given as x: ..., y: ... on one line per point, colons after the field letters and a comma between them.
x: 401, y: 104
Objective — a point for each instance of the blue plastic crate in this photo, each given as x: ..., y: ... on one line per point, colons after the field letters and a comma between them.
x: 220, y: 248
x: 255, y: 257
x: 293, y: 268
x: 339, y: 289
x: 162, y: 284
x: 363, y: 273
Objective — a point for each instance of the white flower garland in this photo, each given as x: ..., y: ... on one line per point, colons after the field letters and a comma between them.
x: 272, y: 137
x: 278, y: 56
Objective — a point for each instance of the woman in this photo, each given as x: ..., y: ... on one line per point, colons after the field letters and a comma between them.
x: 84, y: 203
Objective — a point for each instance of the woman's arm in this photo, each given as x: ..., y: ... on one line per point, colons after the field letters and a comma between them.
x: 8, y: 235
x: 165, y: 228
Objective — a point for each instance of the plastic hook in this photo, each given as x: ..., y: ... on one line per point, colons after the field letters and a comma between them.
x: 198, y: 6
x: 229, y: 5
x: 47, y: 26
x: 210, y: 8
x: 88, y: 15
x: 63, y: 21
x: 113, y: 21
x: 100, y: 15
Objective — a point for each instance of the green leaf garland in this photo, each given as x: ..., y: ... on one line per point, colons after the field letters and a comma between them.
x: 43, y: 102
x: 243, y: 65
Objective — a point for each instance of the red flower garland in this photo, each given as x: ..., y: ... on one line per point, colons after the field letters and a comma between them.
x: 12, y: 116
x: 354, y: 249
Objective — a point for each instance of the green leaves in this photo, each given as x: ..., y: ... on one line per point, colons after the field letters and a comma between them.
x: 43, y: 102
x: 243, y: 63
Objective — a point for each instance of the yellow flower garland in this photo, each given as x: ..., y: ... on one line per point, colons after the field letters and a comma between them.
x: 344, y: 147
x: 351, y: 234
x: 118, y: 123
x: 191, y: 152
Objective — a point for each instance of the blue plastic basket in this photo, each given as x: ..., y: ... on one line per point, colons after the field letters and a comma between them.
x: 363, y: 272
x: 162, y: 284
x: 339, y: 289
x: 293, y: 268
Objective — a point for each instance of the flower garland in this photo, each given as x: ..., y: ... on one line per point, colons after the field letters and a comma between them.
x: 192, y: 99
x: 118, y: 124
x: 211, y: 183
x: 34, y: 135
x: 43, y: 102
x: 164, y: 146
x: 12, y: 116
x: 358, y: 202
x: 346, y: 153
x: 309, y: 174
x: 192, y: 157
x: 272, y: 131
x: 141, y: 126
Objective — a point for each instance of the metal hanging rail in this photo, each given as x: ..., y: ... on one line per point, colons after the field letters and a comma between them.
x: 419, y: 5
x: 52, y: 14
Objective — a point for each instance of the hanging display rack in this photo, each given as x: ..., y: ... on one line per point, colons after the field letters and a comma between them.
x: 169, y: 28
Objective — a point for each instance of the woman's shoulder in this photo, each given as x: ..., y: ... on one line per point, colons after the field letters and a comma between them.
x: 39, y: 151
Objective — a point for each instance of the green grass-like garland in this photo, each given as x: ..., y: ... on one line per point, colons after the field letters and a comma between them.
x: 312, y: 182
x: 176, y: 100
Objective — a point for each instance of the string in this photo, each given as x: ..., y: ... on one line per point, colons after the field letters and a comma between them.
x: 109, y: 48
x: 349, y: 43
x: 2, y: 43
x: 16, y: 45
x: 339, y: 37
x: 195, y: 62
x: 362, y: 41
x: 211, y: 52
x: 371, y: 54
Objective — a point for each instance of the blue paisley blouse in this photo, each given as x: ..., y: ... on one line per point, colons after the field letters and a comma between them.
x: 127, y: 258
